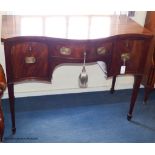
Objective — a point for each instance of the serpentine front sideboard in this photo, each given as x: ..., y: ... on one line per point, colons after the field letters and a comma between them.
x: 124, y: 51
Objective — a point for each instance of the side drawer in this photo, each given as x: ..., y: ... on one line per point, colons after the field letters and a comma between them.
x: 29, y: 60
x: 130, y: 53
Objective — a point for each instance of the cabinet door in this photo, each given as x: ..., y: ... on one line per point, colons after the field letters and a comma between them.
x: 29, y: 60
x: 130, y: 53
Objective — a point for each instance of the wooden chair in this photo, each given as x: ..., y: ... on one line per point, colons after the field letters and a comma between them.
x: 2, y: 88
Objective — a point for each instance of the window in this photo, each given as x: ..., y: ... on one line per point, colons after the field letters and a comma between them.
x: 31, y: 26
x: 99, y: 26
x: 55, y: 26
x: 71, y: 27
x: 60, y: 26
x: 78, y: 27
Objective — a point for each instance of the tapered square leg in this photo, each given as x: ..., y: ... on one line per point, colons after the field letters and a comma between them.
x: 137, y: 81
x: 112, y: 90
x: 12, y: 106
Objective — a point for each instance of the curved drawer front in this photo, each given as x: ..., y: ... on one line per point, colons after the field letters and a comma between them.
x: 75, y: 50
x: 129, y: 53
x: 37, y: 57
x: 29, y: 59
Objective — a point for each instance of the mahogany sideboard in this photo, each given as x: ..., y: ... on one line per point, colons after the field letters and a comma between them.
x: 2, y: 88
x: 124, y: 51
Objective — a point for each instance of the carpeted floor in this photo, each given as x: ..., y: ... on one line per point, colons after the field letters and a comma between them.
x: 95, y: 117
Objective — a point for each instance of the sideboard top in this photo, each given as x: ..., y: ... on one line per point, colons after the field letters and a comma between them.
x: 112, y: 26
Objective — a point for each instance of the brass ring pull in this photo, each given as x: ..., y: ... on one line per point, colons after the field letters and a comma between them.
x: 65, y: 51
x: 101, y: 51
x: 83, y: 77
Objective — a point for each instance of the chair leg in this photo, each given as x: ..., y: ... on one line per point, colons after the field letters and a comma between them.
x: 1, y: 122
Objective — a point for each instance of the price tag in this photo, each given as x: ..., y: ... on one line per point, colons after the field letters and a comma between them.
x: 122, y: 70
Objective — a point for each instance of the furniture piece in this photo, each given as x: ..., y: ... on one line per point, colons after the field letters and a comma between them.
x: 149, y: 74
x: 124, y: 50
x: 2, y: 88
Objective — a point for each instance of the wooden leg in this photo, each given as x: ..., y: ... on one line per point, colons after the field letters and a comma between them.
x: 1, y: 122
x: 12, y: 106
x: 137, y: 81
x: 113, y: 85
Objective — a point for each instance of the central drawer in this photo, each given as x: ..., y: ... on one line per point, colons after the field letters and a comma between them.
x: 69, y: 49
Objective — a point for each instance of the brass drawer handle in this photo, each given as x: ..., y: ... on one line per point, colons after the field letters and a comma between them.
x: 65, y: 51
x: 125, y: 57
x: 30, y: 60
x: 101, y: 51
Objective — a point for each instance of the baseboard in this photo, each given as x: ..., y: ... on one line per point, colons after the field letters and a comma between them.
x: 62, y: 91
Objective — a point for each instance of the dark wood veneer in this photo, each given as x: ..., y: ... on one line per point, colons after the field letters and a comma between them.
x: 44, y: 54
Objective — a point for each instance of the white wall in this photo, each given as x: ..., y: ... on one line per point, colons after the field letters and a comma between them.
x: 140, y: 17
x: 65, y: 78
